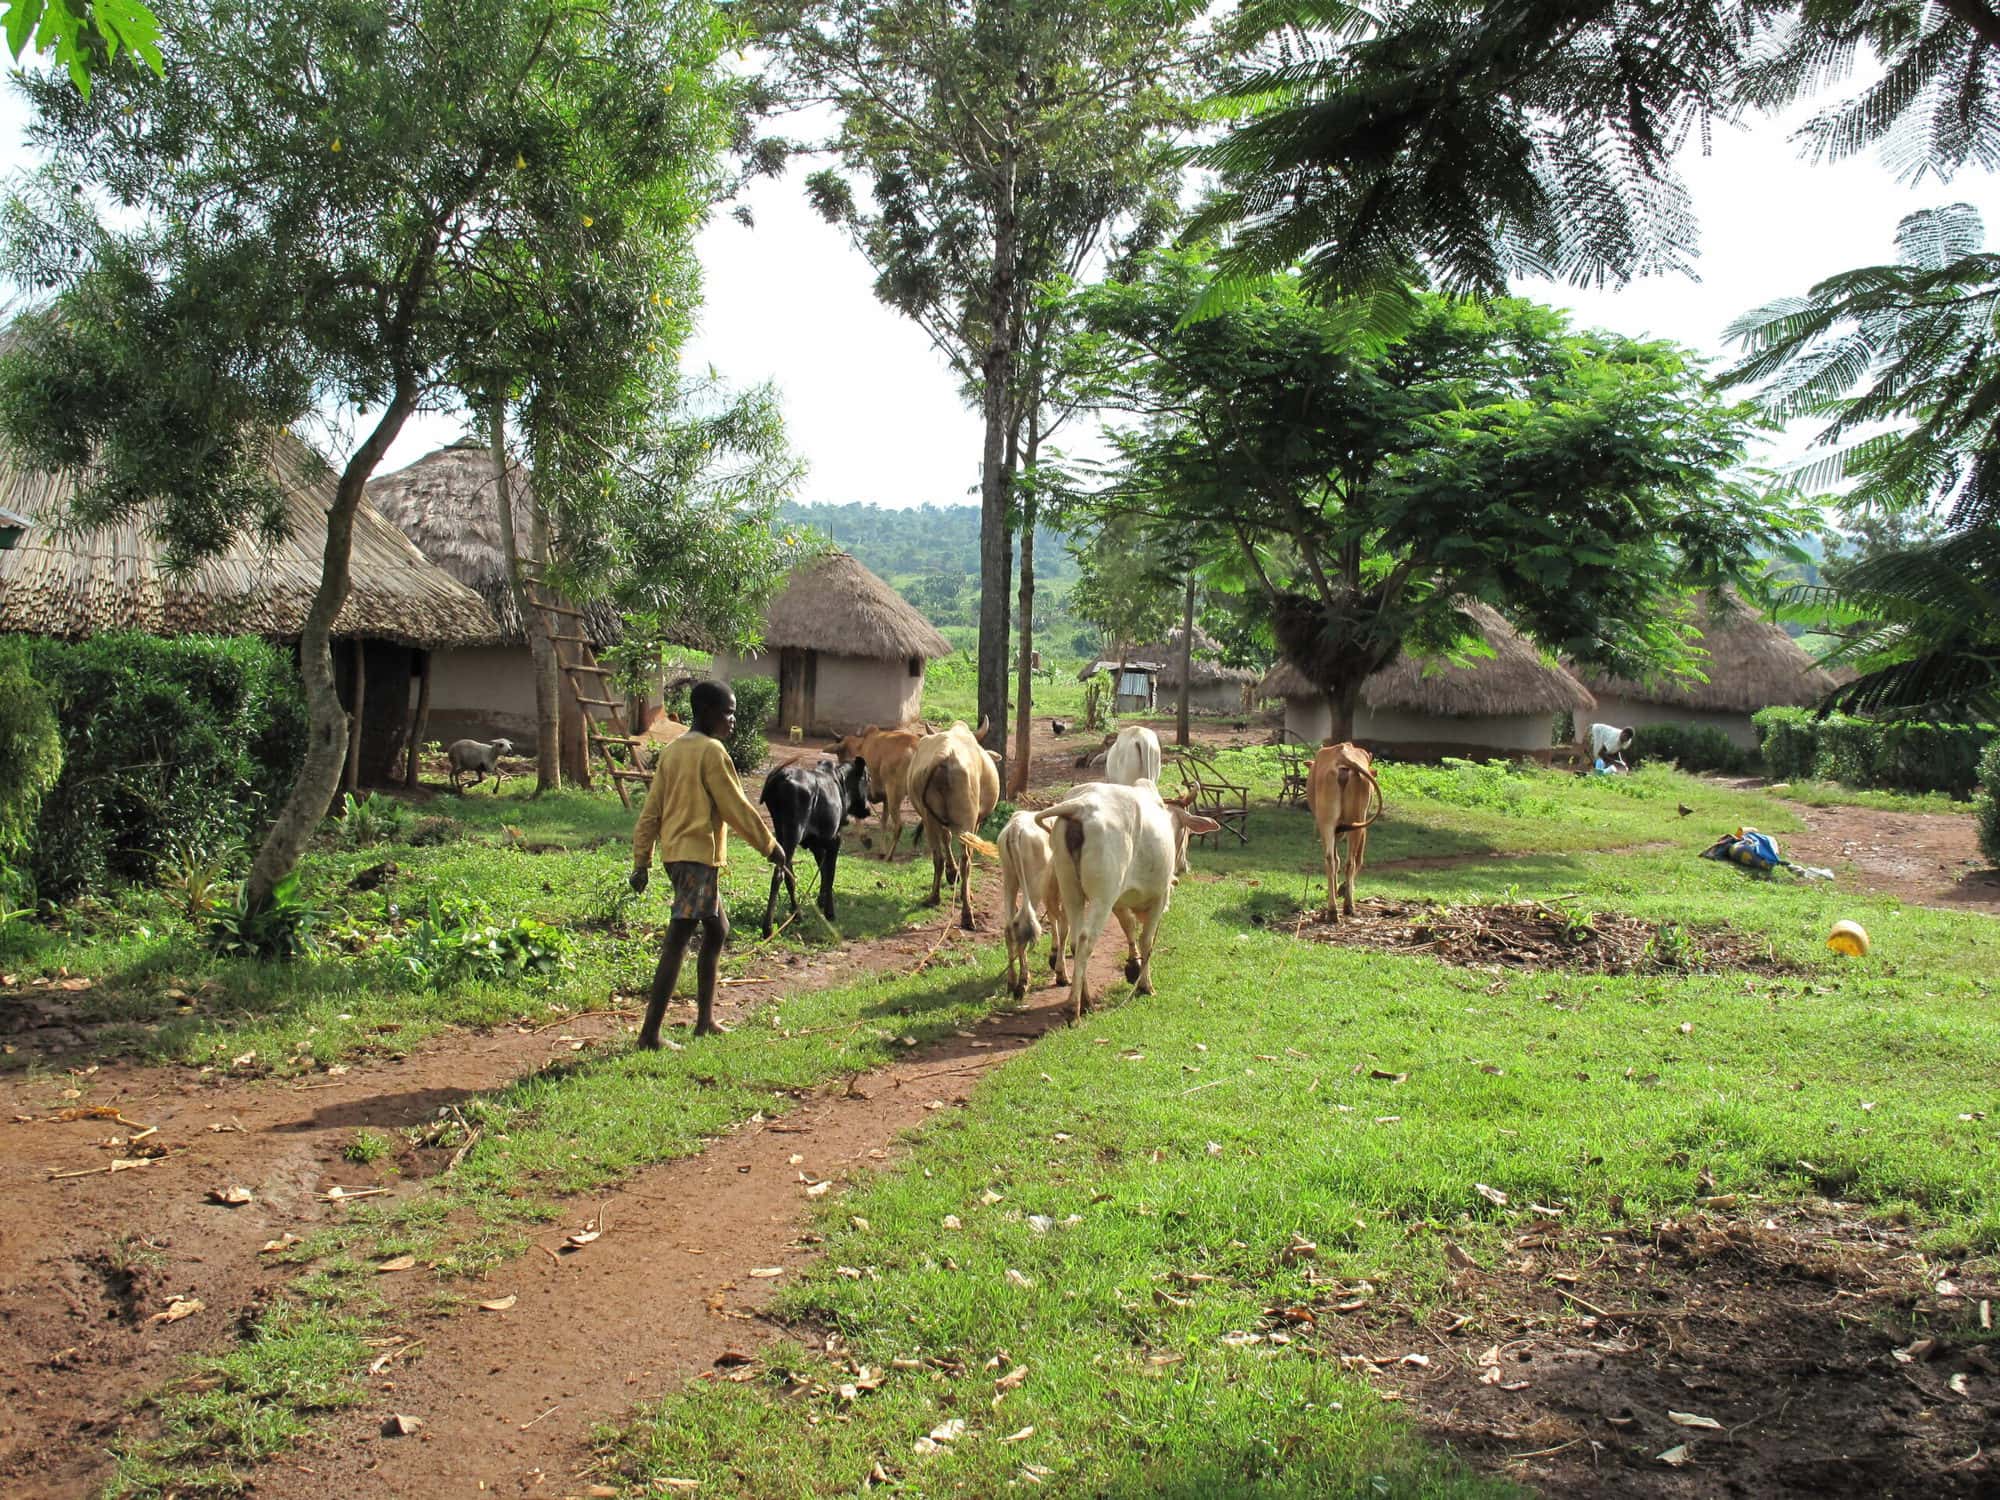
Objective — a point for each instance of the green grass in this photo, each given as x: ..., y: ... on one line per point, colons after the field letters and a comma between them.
x: 566, y: 867
x: 1196, y: 1132
x: 1833, y: 794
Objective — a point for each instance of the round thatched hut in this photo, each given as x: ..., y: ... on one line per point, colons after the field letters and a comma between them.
x: 846, y: 649
x: 1751, y: 664
x: 399, y: 610
x: 1149, y: 677
x: 447, y: 503
x: 1504, y: 704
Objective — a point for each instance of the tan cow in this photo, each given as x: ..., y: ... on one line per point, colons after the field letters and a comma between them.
x: 886, y: 753
x: 1029, y: 892
x: 1337, y: 790
x: 953, y: 784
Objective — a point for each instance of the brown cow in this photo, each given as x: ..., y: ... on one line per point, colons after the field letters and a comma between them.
x: 954, y: 784
x: 1337, y: 790
x: 886, y: 752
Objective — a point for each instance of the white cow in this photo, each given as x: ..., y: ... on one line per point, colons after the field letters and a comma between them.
x: 1134, y: 756
x: 1028, y: 890
x: 1116, y: 851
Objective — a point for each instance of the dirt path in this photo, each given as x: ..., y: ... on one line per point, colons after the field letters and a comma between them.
x: 87, y: 1261
x: 508, y: 1398
x: 1931, y: 859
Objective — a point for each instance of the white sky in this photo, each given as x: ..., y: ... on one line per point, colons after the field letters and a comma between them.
x: 877, y: 415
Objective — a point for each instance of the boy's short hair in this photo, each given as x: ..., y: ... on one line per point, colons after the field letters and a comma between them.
x: 706, y: 698
x: 1624, y: 736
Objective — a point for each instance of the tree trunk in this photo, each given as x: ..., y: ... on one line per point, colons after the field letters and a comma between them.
x: 326, y: 744
x: 420, y: 720
x: 994, y: 480
x: 541, y: 650
x: 1343, y: 699
x: 1187, y: 664
x: 1024, y: 674
x: 356, y: 721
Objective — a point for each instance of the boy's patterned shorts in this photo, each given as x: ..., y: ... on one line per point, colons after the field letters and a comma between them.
x: 695, y: 893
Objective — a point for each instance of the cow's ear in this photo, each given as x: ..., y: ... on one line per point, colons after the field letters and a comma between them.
x: 1194, y: 822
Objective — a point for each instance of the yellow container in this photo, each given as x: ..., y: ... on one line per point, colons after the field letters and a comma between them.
x: 1848, y: 938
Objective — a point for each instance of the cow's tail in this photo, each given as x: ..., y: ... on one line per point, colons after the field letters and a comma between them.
x: 979, y: 845
x: 1374, y: 786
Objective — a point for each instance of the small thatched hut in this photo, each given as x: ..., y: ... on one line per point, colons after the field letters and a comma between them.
x: 1503, y: 704
x: 447, y: 504
x: 1751, y: 664
x: 399, y: 607
x: 846, y: 649
x: 1149, y: 677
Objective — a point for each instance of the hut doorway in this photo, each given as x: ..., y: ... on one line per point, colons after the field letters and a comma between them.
x: 798, y: 686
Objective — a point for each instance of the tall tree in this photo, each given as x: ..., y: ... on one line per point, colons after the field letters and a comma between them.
x: 977, y: 129
x: 1366, y: 487
x: 371, y: 207
x: 85, y: 36
x: 1470, y: 142
x: 1897, y: 363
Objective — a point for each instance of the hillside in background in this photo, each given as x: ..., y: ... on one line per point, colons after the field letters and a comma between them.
x: 930, y: 555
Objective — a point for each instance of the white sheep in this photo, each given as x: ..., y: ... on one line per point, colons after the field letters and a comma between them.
x: 471, y: 755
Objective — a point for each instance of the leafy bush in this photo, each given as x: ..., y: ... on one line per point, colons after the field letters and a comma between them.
x: 282, y: 929
x: 756, y: 702
x: 1898, y: 757
x: 1692, y: 747
x: 30, y: 748
x: 1989, y: 803
x: 371, y: 818
x: 458, y: 939
x: 30, y: 762
x: 182, y: 743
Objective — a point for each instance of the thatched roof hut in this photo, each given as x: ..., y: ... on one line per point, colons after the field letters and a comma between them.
x: 115, y: 578
x: 447, y: 503
x: 832, y: 603
x: 1750, y: 664
x: 1506, y: 701
x: 847, y: 650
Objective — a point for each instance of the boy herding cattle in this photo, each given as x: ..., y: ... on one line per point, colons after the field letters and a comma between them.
x: 694, y: 800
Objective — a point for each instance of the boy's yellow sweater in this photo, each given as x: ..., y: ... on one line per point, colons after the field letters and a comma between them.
x: 694, y: 794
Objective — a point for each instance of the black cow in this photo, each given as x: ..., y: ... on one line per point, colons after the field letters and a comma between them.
x: 809, y: 806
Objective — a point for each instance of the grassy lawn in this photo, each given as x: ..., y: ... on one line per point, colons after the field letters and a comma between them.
x: 1113, y: 1211
x: 1113, y: 1214
x: 561, y: 860
x: 1833, y: 794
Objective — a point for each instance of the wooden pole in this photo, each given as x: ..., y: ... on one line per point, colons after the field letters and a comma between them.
x: 1187, y: 664
x: 420, y: 720
x: 354, y: 720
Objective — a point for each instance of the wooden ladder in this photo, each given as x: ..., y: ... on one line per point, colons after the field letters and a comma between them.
x: 603, y: 716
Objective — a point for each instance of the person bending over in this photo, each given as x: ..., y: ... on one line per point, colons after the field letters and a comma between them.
x: 1608, y: 745
x: 694, y: 801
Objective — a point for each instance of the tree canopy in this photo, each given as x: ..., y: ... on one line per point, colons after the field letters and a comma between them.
x: 1366, y: 487
x: 370, y: 210
x: 1468, y: 143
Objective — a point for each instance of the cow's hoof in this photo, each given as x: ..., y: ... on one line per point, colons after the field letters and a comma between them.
x: 1143, y: 987
x: 1131, y: 971
x: 1018, y: 991
x: 965, y: 922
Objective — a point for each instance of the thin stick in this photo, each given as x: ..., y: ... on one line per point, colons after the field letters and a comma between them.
x: 1212, y: 1084
x: 533, y: 1420
x: 1589, y: 1307
x: 345, y: 1194
x: 144, y: 1161
x: 1544, y: 1452
x: 584, y: 1015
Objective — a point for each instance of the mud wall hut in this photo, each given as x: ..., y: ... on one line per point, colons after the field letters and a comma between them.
x: 1417, y: 708
x: 1749, y: 663
x: 1148, y: 679
x: 400, y: 609
x: 447, y: 503
x: 846, y: 649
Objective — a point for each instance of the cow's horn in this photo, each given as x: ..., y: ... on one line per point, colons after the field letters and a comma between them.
x: 984, y: 725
